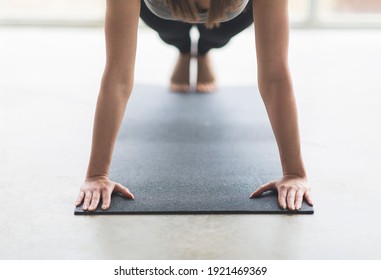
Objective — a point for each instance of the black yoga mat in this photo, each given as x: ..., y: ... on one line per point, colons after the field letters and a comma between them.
x: 195, y: 154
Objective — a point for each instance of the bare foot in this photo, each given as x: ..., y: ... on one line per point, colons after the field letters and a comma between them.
x: 205, y: 76
x: 180, y: 76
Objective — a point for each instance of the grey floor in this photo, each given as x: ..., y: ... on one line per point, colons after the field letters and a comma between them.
x: 49, y: 80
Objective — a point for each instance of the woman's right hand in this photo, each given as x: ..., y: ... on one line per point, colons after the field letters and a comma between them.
x: 95, y: 188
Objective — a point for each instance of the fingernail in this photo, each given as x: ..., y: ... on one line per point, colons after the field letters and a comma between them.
x: 284, y: 206
x: 103, y: 206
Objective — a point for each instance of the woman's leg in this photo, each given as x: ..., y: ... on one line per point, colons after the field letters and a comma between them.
x: 174, y: 33
x: 220, y: 36
x: 217, y: 38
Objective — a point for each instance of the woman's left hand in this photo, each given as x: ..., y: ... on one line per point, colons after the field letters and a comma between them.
x: 291, y: 191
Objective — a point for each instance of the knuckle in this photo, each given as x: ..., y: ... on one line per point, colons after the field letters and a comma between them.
x: 299, y: 192
x: 106, y: 192
x: 282, y: 187
x: 85, y: 188
x: 94, y: 188
x: 103, y: 188
x: 291, y: 195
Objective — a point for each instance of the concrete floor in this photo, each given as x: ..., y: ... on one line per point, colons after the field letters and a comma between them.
x: 49, y: 80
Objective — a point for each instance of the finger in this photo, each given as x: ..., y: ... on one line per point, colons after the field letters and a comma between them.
x: 299, y: 199
x: 307, y: 196
x: 123, y: 190
x: 282, y: 194
x: 106, y: 199
x: 87, y: 200
x: 291, y: 199
x: 80, y: 198
x: 94, y: 200
x: 268, y: 186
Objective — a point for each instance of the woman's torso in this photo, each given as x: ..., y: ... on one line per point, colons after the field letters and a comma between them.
x: 160, y: 9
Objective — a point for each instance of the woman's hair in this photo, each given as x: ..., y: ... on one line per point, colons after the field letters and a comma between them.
x: 189, y: 10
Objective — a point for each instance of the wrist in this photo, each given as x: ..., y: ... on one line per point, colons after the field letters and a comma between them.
x: 302, y: 175
x: 294, y: 167
x: 95, y: 169
x: 97, y: 175
x: 96, y: 178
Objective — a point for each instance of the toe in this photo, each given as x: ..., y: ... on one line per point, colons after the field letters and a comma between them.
x: 179, y: 87
x: 205, y: 87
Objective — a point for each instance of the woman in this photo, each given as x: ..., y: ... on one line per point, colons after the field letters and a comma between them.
x: 172, y: 20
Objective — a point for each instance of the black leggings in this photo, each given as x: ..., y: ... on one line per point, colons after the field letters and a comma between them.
x: 176, y: 33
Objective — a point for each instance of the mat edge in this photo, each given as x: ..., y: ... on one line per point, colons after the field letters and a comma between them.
x: 82, y: 213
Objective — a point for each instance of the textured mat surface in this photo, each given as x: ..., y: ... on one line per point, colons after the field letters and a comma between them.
x: 195, y: 153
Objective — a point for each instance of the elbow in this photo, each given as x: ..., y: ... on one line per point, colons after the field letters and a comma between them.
x: 279, y: 81
x: 117, y: 81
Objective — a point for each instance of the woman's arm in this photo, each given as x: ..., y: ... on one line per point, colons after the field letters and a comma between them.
x: 117, y: 82
x: 275, y: 85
